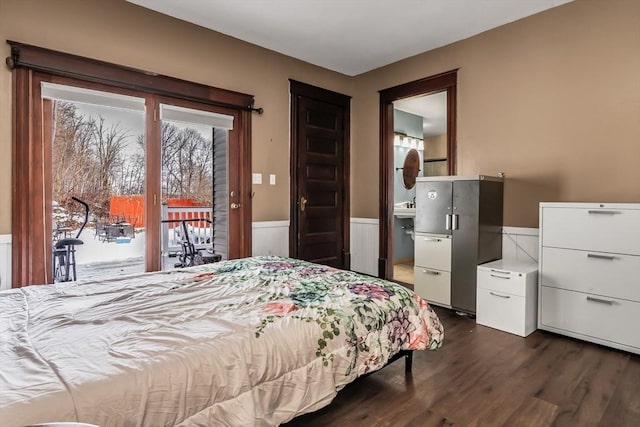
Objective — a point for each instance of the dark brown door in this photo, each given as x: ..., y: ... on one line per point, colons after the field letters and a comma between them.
x: 319, y: 197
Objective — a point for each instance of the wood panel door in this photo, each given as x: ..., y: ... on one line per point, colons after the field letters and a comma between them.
x: 320, y: 176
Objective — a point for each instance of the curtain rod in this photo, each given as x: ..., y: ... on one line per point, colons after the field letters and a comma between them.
x: 47, y: 57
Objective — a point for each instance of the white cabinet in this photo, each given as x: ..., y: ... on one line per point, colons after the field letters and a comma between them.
x: 590, y: 272
x: 432, y: 270
x: 507, y: 296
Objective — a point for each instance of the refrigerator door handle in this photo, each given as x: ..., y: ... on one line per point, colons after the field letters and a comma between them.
x: 455, y: 221
x: 447, y: 222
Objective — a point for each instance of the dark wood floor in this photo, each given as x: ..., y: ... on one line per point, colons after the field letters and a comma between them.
x: 486, y: 377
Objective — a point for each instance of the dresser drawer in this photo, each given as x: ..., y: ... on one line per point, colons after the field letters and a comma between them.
x: 589, y: 316
x: 508, y: 282
x: 598, y: 229
x: 432, y: 251
x: 505, y: 312
x: 593, y: 272
x: 433, y: 285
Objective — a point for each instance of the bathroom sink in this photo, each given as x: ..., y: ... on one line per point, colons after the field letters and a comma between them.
x: 404, y: 212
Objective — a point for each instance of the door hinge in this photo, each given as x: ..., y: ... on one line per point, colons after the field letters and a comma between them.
x: 155, y: 114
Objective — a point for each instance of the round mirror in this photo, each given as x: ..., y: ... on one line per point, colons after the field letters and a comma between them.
x: 410, y: 169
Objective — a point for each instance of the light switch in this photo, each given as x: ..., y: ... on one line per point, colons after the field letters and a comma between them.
x: 256, y: 178
x: 272, y: 179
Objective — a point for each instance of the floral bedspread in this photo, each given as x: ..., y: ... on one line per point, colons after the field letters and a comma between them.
x: 254, y: 341
x: 351, y: 308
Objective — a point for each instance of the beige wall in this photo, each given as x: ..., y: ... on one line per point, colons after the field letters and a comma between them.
x: 552, y: 100
x: 118, y: 32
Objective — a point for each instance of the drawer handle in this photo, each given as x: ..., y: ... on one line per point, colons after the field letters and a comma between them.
x: 500, y: 271
x: 435, y: 273
x: 498, y: 295
x: 599, y: 212
x: 431, y: 239
x: 500, y: 277
x: 600, y: 300
x: 598, y: 256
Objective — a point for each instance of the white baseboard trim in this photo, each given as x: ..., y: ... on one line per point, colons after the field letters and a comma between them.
x: 364, y: 242
x: 5, y: 261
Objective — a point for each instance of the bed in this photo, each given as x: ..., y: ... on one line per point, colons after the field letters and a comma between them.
x: 254, y: 341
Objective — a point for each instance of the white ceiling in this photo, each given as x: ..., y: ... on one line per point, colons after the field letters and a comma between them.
x: 350, y: 36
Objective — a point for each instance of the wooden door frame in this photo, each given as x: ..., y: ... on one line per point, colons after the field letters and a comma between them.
x: 30, y: 66
x: 303, y: 89
x: 446, y: 81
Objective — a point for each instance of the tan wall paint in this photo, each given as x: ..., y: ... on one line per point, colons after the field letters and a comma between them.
x: 121, y: 33
x: 552, y: 100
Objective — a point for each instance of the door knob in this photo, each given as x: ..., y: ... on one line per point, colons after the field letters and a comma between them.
x: 303, y: 203
x: 235, y: 205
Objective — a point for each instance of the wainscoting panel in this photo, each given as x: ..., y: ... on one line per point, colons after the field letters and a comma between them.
x: 364, y: 245
x: 270, y: 238
x: 520, y: 244
x: 5, y: 261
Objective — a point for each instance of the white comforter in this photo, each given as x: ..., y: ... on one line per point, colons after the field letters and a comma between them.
x: 245, y: 342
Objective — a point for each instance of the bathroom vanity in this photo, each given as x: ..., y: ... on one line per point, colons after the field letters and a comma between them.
x: 458, y: 225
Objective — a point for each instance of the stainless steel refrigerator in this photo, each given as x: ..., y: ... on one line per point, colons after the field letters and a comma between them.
x: 458, y: 225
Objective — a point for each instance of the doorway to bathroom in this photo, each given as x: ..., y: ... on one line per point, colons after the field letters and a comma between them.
x: 418, y: 122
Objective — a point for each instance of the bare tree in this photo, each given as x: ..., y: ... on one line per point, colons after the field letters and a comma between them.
x: 187, y: 163
x: 88, y: 157
x: 94, y: 160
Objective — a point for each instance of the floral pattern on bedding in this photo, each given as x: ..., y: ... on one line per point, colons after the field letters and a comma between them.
x: 374, y: 318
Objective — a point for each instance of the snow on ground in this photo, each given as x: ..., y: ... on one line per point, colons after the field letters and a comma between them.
x: 98, y: 259
x: 95, y: 251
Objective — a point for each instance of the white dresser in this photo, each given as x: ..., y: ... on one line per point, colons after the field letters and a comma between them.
x: 507, y: 296
x: 432, y: 268
x: 590, y: 272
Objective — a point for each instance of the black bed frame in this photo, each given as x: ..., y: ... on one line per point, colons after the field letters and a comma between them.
x: 408, y: 359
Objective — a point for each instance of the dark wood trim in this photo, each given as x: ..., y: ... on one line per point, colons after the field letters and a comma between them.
x: 152, y: 187
x: 92, y: 70
x: 446, y: 81
x: 244, y: 185
x: 299, y: 89
x: 28, y: 217
x: 386, y: 187
x: 452, y: 128
x: 20, y: 153
x: 47, y: 147
x: 31, y: 201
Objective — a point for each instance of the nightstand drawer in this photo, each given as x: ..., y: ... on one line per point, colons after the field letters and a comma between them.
x: 590, y: 316
x: 432, y: 251
x: 508, y: 282
x: 433, y: 285
x: 599, y: 273
x: 503, y: 311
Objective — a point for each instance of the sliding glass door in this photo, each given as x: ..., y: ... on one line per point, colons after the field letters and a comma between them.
x: 144, y: 165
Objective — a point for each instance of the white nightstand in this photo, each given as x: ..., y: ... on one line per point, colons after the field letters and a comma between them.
x: 507, y: 296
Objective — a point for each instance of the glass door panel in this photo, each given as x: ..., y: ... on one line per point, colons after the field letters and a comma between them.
x: 97, y: 158
x: 194, y: 186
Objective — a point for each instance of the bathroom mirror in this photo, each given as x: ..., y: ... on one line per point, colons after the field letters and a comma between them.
x: 410, y: 169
